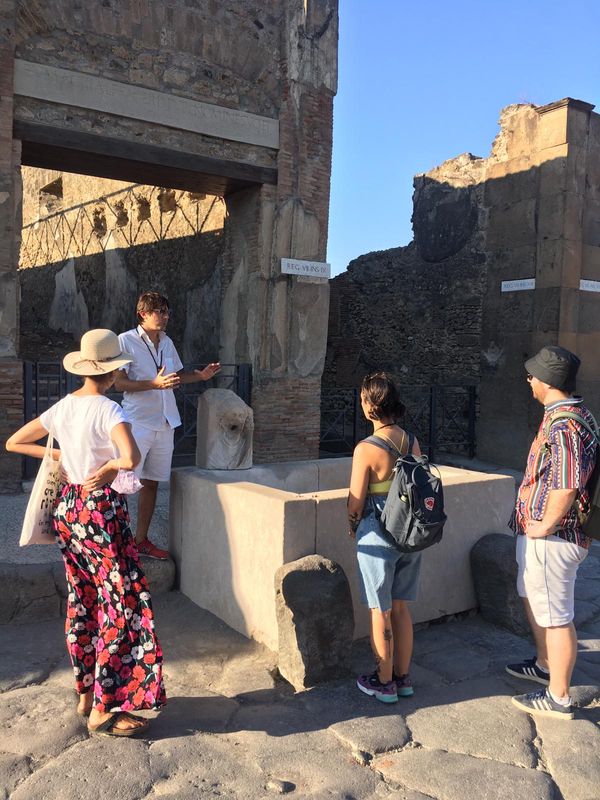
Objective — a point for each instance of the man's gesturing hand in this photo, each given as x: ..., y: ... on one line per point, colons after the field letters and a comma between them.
x: 208, y: 372
x: 163, y: 381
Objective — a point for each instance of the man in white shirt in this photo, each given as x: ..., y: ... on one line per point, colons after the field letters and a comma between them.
x: 149, y: 403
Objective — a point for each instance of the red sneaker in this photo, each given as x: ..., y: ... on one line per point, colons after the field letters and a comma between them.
x: 146, y: 548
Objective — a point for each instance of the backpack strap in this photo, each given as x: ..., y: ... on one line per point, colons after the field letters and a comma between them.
x: 383, y: 441
x: 378, y: 442
x: 593, y: 431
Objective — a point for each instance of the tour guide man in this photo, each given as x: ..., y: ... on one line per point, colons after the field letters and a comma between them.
x: 547, y: 520
x: 149, y: 403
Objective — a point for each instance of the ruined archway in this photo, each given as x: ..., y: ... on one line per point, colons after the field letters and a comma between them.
x: 167, y: 101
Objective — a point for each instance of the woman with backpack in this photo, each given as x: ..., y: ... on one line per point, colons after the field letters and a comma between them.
x: 387, y: 577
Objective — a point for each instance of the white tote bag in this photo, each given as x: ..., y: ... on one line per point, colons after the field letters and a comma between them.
x: 37, y: 525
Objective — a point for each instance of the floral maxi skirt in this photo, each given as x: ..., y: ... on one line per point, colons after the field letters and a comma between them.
x: 110, y: 623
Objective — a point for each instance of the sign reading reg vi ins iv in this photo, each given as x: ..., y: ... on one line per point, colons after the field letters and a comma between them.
x: 308, y: 269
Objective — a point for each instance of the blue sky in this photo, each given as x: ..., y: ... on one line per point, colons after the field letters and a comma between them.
x: 420, y: 82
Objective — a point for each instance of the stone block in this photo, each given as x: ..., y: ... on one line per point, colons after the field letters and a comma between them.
x: 588, y: 344
x: 160, y: 574
x: 494, y: 569
x: 549, y: 262
x: 590, y: 267
x: 578, y: 123
x: 512, y: 224
x: 29, y: 593
x: 509, y: 181
x: 314, y: 620
x: 552, y: 128
x: 225, y: 425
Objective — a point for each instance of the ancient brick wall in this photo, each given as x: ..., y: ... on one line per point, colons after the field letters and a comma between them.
x: 416, y: 311
x: 505, y: 259
x: 237, y: 99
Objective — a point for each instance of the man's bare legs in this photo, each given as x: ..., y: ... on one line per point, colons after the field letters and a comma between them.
x: 146, y: 505
x: 556, y: 651
x: 402, y: 629
x: 539, y: 635
x: 562, y: 654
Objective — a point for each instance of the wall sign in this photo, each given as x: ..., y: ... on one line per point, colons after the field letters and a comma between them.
x: 518, y: 286
x: 589, y: 286
x: 310, y: 269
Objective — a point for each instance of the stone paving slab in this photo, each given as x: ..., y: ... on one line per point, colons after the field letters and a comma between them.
x: 13, y: 770
x: 99, y: 767
x: 446, y: 776
x: 30, y: 653
x: 571, y: 753
x: 476, y: 720
x: 370, y: 735
x: 39, y: 723
x: 232, y: 729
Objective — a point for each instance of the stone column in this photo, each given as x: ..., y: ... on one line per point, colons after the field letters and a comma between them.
x: 11, y: 389
x: 278, y: 322
x: 535, y: 195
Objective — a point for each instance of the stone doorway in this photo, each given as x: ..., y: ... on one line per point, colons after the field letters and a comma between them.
x: 167, y: 102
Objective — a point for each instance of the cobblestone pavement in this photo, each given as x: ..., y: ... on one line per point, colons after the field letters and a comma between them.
x: 231, y: 729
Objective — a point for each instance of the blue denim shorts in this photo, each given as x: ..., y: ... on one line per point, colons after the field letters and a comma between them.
x: 384, y: 573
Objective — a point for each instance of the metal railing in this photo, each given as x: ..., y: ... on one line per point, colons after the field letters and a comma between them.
x: 45, y: 382
x: 442, y: 417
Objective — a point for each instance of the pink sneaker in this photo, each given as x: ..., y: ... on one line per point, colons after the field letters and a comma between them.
x: 371, y: 685
x: 146, y: 548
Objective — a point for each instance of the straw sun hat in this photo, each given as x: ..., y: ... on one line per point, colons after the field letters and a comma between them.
x: 100, y: 353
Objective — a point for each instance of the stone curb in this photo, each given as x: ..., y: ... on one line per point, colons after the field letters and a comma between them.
x: 37, y: 592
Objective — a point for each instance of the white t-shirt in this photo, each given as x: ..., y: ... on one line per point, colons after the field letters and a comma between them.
x: 155, y: 408
x: 82, y: 425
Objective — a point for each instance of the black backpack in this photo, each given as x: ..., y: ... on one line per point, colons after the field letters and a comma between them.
x: 413, y: 514
x: 590, y: 524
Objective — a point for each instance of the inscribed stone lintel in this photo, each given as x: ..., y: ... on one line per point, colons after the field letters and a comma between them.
x: 57, y: 85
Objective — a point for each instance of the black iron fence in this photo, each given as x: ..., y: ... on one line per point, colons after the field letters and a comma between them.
x: 442, y: 417
x: 45, y: 382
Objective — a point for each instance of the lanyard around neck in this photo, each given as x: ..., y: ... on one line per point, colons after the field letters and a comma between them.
x: 158, y: 364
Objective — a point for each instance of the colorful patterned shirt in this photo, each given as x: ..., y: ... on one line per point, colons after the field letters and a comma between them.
x: 564, y: 461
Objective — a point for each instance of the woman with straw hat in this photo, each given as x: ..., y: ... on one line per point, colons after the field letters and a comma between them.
x: 116, y: 657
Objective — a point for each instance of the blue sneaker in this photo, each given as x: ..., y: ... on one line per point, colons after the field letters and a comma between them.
x: 529, y: 670
x: 542, y: 704
x: 371, y: 685
x: 404, y: 685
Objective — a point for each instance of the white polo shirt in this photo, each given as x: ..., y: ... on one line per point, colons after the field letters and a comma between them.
x: 155, y: 408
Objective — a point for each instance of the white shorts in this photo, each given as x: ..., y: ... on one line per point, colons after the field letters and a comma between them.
x: 546, y: 577
x: 156, y: 448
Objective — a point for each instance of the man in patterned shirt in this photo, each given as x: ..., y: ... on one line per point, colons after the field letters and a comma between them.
x: 551, y: 545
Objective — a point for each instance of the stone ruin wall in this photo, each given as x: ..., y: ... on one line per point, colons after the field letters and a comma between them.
x: 90, y: 246
x: 415, y: 311
x: 435, y: 311
x: 276, y: 60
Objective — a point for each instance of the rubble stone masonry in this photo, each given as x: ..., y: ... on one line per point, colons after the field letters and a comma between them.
x: 243, y: 96
x: 450, y: 308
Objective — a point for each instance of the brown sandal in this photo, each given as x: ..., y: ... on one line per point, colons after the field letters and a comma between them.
x: 108, y: 727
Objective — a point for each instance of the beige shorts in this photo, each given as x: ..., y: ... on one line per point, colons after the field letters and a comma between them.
x: 546, y: 577
x: 156, y: 448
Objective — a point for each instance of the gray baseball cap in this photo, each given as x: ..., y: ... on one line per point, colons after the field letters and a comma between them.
x: 555, y: 366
